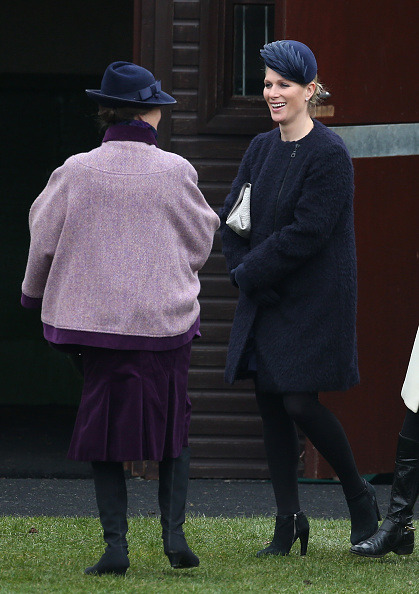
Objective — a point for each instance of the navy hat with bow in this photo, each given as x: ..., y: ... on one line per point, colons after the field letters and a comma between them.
x: 291, y: 59
x: 125, y: 84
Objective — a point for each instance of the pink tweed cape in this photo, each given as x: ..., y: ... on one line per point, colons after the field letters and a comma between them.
x: 117, y: 239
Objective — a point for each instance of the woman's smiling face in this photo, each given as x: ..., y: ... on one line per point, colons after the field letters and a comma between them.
x: 287, y: 100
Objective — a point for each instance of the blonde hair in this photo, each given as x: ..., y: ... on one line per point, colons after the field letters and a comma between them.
x: 316, y: 97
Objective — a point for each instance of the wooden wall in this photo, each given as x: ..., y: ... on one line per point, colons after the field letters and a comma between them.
x: 226, y: 432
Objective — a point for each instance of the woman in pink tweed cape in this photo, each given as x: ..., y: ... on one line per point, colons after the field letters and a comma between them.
x: 117, y: 239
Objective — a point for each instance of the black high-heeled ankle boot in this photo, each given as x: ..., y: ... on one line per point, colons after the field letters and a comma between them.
x: 288, y: 529
x: 365, y: 514
x: 396, y: 533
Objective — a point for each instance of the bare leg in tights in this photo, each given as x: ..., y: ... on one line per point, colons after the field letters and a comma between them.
x: 280, y: 413
x: 282, y: 451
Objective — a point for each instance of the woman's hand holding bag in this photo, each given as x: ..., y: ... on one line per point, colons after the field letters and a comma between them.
x: 239, y: 217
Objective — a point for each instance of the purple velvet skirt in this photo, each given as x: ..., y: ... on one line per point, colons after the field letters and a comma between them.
x: 134, y: 405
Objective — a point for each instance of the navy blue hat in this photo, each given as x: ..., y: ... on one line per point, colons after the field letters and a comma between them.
x: 291, y: 59
x: 125, y: 84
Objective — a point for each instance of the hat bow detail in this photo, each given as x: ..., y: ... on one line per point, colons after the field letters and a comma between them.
x: 152, y: 90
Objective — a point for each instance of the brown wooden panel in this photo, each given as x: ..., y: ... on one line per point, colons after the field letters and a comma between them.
x: 210, y: 356
x: 234, y: 469
x: 217, y: 244
x: 184, y: 123
x: 186, y: 31
x: 217, y: 309
x: 206, y: 378
x: 155, y: 50
x: 223, y: 402
x: 186, y: 101
x: 217, y: 286
x: 231, y: 120
x: 210, y: 146
x: 361, y: 48
x: 186, y: 55
x: 234, y: 424
x: 215, y: 264
x: 215, y: 331
x: 143, y: 42
x: 227, y: 447
x: 186, y: 10
x: 221, y: 170
x: 185, y: 78
x: 214, y: 193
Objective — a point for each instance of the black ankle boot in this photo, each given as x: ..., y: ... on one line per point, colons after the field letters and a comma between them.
x: 288, y: 529
x: 396, y: 534
x: 111, y: 497
x: 114, y: 560
x: 364, y: 514
x: 173, y: 485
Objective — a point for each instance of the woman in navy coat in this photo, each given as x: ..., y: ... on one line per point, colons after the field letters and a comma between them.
x: 294, y: 327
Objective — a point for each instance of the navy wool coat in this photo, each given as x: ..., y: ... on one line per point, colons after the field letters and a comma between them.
x: 302, y: 248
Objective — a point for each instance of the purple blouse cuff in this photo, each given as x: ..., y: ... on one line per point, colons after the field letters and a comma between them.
x: 31, y: 302
x: 62, y: 338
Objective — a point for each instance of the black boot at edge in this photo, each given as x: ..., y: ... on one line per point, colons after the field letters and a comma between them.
x: 396, y: 534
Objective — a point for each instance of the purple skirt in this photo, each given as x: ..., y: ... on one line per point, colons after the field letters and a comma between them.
x: 134, y: 405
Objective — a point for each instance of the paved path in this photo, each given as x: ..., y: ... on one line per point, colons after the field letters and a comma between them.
x: 75, y: 497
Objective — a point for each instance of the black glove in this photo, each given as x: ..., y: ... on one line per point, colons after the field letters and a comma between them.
x: 242, y: 281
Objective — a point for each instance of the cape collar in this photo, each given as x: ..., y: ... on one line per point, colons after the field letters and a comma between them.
x: 136, y: 130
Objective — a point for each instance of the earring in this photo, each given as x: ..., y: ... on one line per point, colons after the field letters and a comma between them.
x: 307, y: 98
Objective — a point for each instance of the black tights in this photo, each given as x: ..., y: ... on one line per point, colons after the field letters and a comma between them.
x: 280, y: 415
x: 410, y: 427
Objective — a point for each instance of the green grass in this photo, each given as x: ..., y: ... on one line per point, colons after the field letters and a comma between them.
x: 49, y: 555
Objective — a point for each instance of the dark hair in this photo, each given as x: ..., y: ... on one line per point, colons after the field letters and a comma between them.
x: 108, y: 116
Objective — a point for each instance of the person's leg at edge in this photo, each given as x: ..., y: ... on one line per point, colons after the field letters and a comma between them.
x: 282, y: 452
x: 396, y: 533
x: 327, y: 435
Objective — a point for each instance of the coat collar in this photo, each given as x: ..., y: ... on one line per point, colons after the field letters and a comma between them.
x: 135, y: 130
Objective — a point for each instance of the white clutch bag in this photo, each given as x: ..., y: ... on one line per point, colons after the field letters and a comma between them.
x: 239, y: 217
